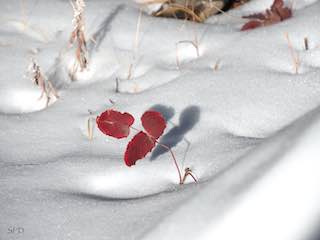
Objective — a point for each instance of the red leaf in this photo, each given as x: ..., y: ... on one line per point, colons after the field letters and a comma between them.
x: 251, y: 25
x: 275, y: 14
x: 138, y: 148
x: 114, y: 123
x: 285, y: 13
x: 154, y: 123
x: 277, y: 4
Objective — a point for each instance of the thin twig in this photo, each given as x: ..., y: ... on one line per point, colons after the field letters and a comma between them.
x: 135, y: 45
x: 79, y: 35
x: 187, y: 173
x: 130, y: 71
x: 167, y: 148
x: 306, y: 43
x: 136, y: 39
x: 174, y: 160
x: 177, y: 56
x: 216, y: 65
x: 294, y: 55
x: 23, y: 12
x: 90, y: 128
x: 117, y: 85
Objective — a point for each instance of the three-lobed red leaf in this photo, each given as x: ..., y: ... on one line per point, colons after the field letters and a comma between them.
x: 251, y: 25
x: 114, y: 123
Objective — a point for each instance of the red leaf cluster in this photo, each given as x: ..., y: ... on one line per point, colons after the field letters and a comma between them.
x: 277, y: 13
x: 116, y: 124
x: 142, y: 143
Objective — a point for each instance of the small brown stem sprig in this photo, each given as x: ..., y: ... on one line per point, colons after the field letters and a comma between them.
x: 90, y: 125
x: 306, y: 43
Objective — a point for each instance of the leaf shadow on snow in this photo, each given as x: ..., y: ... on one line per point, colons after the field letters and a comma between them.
x: 188, y: 119
x: 104, y: 27
x: 167, y: 112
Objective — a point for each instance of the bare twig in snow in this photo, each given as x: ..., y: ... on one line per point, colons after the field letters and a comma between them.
x: 130, y: 71
x: 306, y: 43
x: 294, y: 55
x: 216, y: 65
x: 117, y: 85
x: 188, y: 172
x: 135, y: 46
x: 90, y: 126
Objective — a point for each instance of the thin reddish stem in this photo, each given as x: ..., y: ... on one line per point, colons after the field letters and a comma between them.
x: 194, y: 178
x: 171, y: 152
x: 174, y: 160
x: 188, y: 172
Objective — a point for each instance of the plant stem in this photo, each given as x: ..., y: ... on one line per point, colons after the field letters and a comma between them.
x: 192, y: 176
x: 174, y: 160
x: 294, y: 55
x: 169, y: 149
x: 306, y: 43
x: 188, y: 172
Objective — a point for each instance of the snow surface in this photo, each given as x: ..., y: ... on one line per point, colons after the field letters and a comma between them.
x: 249, y: 130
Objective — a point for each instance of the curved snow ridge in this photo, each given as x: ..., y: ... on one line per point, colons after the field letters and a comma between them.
x: 110, y: 179
x: 262, y: 189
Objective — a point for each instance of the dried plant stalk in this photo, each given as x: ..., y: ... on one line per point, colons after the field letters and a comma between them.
x: 90, y: 128
x: 47, y: 89
x: 78, y: 35
x: 90, y: 125
x: 294, y: 55
x: 306, y: 43
x: 117, y: 85
x: 188, y: 172
x: 216, y: 65
x: 135, y: 46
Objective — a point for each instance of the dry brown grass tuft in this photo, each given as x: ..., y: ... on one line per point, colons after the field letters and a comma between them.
x: 194, y: 10
x: 78, y: 35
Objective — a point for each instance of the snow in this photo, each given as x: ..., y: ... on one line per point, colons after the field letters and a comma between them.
x: 248, y: 129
